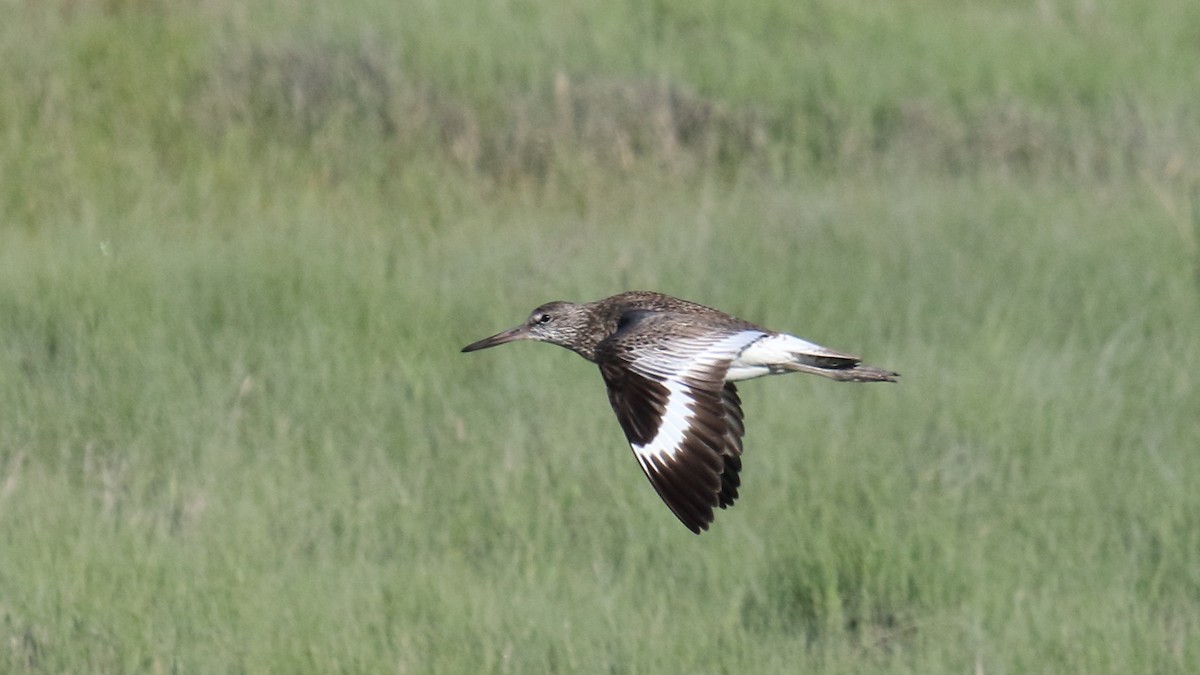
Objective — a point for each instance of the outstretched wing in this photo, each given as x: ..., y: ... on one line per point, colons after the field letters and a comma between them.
x: 666, y: 383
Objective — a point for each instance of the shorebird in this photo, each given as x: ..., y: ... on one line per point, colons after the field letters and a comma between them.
x: 670, y: 366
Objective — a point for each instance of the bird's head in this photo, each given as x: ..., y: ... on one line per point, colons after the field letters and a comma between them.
x: 560, y: 323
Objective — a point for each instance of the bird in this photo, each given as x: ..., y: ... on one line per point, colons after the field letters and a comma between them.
x: 670, y: 368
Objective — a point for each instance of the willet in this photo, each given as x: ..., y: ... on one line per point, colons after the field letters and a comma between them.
x: 670, y: 367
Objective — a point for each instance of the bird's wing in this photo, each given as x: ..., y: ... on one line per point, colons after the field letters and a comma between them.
x: 666, y: 383
x: 731, y: 451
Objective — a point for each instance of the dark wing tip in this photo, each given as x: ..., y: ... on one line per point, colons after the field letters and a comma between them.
x: 731, y: 449
x: 730, y: 482
x: 687, y: 483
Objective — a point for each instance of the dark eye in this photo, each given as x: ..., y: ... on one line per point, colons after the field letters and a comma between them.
x: 543, y: 318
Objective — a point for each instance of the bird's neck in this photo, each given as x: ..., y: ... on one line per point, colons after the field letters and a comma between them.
x: 597, y: 323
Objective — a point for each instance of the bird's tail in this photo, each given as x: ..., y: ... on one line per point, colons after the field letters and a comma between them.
x: 848, y: 372
x: 817, y: 360
x: 783, y: 353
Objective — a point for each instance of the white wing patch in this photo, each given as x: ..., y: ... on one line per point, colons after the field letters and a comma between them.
x: 674, y: 368
x: 676, y: 420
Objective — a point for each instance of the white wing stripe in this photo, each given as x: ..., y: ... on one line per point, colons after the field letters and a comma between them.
x: 678, y: 416
x: 676, y: 419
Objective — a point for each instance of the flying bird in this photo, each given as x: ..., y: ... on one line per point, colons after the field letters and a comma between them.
x: 670, y: 366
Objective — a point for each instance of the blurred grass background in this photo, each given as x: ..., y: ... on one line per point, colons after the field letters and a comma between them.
x: 242, y: 243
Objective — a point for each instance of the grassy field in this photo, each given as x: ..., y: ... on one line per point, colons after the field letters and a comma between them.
x: 241, y: 245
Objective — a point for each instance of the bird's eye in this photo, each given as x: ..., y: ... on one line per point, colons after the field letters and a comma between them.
x: 543, y: 318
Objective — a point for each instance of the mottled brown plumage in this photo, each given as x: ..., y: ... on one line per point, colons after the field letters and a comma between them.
x: 670, y: 367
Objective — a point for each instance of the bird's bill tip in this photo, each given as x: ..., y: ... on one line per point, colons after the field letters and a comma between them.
x: 497, y: 339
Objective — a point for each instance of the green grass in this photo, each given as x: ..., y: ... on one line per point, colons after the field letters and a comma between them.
x: 240, y: 248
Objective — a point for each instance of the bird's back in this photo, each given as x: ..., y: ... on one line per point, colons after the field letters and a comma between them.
x: 612, y: 308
